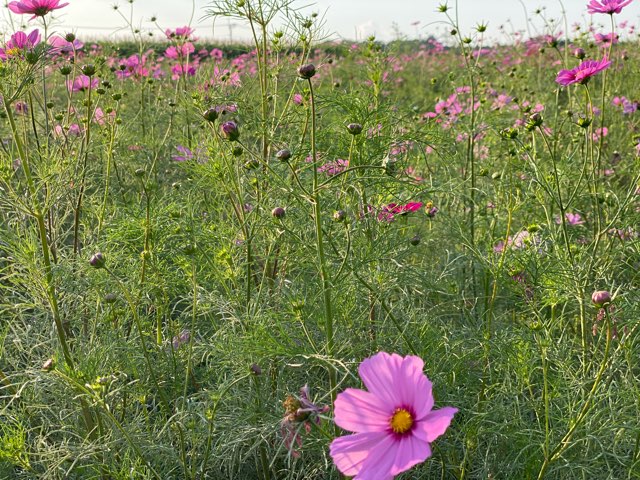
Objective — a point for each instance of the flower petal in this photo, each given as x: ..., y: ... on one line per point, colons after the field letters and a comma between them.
x: 379, y: 374
x: 434, y: 424
x: 411, y: 451
x: 414, y: 387
x: 360, y: 411
x: 350, y: 452
x: 381, y: 460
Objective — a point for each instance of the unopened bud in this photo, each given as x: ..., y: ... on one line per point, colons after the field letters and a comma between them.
x: 354, y: 128
x: 97, y: 260
x: 601, y: 298
x: 307, y: 71
x: 278, y: 212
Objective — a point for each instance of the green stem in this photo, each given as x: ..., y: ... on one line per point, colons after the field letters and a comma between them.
x: 78, y: 210
x: 324, y: 277
x: 143, y: 342
x: 564, y: 443
x: 44, y: 242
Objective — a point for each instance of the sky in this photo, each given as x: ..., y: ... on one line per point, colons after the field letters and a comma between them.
x: 345, y: 19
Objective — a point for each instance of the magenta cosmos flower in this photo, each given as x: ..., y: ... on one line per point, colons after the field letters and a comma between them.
x: 37, y: 8
x: 394, y: 422
x: 607, y: 6
x: 19, y: 43
x: 583, y: 72
x: 82, y: 83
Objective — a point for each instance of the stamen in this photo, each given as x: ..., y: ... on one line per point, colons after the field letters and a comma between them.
x: 402, y: 421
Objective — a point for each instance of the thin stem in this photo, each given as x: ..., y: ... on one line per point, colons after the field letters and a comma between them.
x: 44, y: 242
x: 324, y: 277
x: 76, y: 219
x: 564, y: 443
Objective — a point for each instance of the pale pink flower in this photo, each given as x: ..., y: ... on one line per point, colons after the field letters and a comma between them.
x: 572, y: 219
x: 180, y: 32
x: 394, y: 421
x: 82, y: 83
x: 334, y: 167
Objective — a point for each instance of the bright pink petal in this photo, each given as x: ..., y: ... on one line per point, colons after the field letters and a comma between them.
x: 15, y: 7
x: 381, y: 460
x: 19, y: 40
x: 411, y: 451
x: 414, y: 388
x: 360, y: 411
x: 349, y: 452
x: 434, y: 424
x: 34, y: 38
x: 378, y: 373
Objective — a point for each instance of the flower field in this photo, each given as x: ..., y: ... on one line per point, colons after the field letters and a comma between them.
x: 305, y: 259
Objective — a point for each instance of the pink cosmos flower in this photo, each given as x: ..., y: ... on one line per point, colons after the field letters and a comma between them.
x: 518, y: 241
x: 181, y: 339
x: 180, y: 32
x: 82, y: 83
x: 184, y: 154
x: 583, y: 72
x: 600, y: 133
x: 388, y: 212
x: 394, y: 422
x: 133, y: 66
x: 19, y: 43
x: 101, y: 118
x: 607, y: 6
x: 335, y: 167
x: 606, y: 39
x: 180, y: 51
x: 179, y: 70
x: 572, y: 219
x: 62, y: 45
x: 22, y: 108
x: 37, y: 8
x: 217, y: 54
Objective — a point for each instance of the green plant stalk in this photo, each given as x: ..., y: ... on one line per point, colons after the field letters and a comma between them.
x: 561, y: 205
x: 393, y: 318
x: 110, y: 160
x: 207, y: 450
x: 471, y: 161
x: 143, y: 342
x: 594, y: 166
x: 44, y: 245
x: 324, y: 277
x: 503, y: 255
x: 44, y: 242
x: 238, y: 207
x: 183, y: 452
x: 545, y: 395
x: 78, y: 210
x: 44, y: 86
x: 194, y: 312
x: 564, y: 443
x: 263, y: 66
x: 146, y: 255
x: 112, y: 417
x: 264, y: 462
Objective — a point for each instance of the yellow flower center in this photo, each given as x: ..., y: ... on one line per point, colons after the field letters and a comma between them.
x: 12, y: 52
x: 402, y: 421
